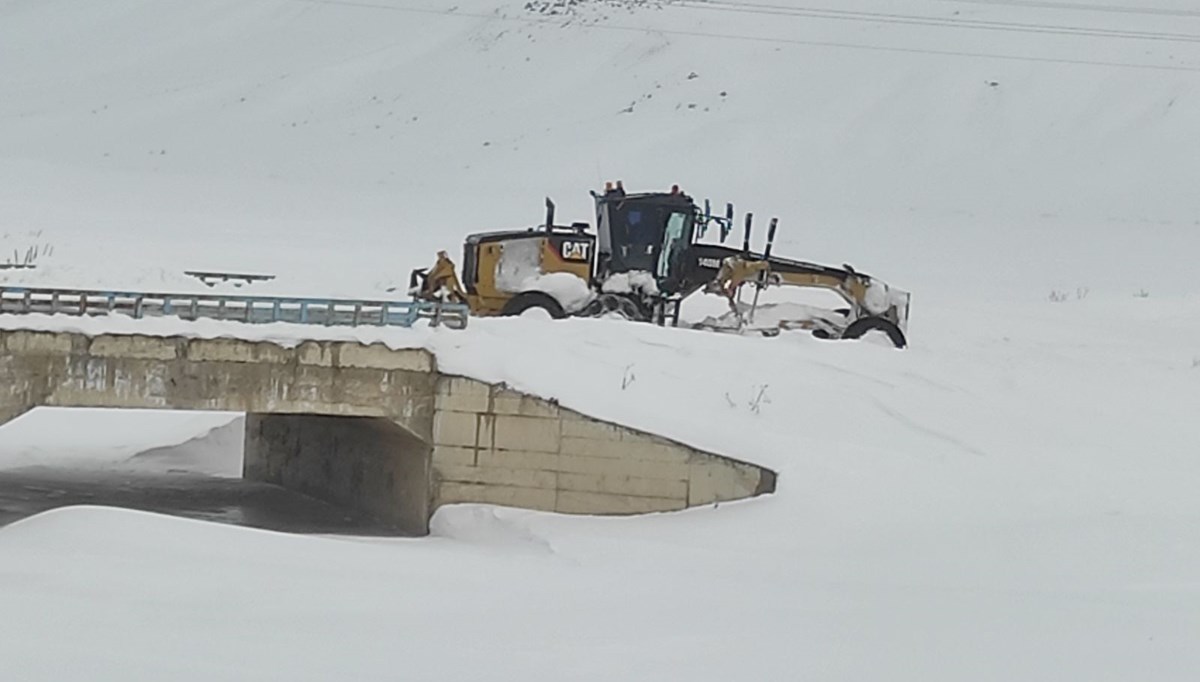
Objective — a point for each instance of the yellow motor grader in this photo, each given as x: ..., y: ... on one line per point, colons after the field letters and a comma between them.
x: 648, y: 253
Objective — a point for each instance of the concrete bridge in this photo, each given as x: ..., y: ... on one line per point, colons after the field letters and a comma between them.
x: 375, y: 429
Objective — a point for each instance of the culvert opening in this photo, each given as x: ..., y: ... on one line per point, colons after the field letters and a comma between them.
x: 176, y: 462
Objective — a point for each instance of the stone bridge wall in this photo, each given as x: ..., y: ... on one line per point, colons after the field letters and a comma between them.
x: 377, y: 429
x: 495, y: 445
x: 347, y: 379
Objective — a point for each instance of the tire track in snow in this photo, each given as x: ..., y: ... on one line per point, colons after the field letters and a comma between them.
x: 916, y: 426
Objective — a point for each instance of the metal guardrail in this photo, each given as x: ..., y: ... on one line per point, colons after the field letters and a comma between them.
x: 250, y: 309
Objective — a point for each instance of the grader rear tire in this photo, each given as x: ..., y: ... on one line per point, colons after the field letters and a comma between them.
x: 530, y: 300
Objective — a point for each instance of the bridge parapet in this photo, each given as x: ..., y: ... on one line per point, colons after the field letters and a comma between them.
x: 133, y: 371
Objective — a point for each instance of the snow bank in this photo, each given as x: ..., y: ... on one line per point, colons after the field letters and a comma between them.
x: 85, y: 438
x: 571, y: 292
x: 771, y: 316
x: 877, y: 299
x: 216, y: 452
x: 632, y: 282
x: 880, y: 298
x: 283, y: 334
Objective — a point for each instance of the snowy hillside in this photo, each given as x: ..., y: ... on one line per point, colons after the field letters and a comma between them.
x: 339, y: 144
x: 1012, y: 498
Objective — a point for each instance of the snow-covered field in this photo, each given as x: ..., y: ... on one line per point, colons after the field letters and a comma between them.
x: 1012, y: 498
